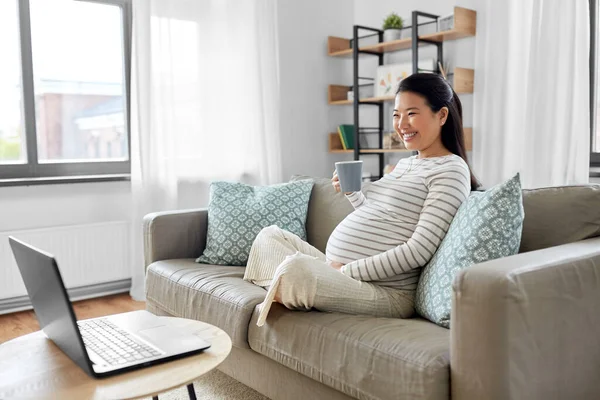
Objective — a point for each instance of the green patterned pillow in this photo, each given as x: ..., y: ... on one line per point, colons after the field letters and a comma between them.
x: 237, y: 212
x: 487, y: 226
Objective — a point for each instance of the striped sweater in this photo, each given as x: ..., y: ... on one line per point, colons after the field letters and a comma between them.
x: 397, y: 227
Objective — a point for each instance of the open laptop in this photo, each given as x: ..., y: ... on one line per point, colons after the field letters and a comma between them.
x: 100, y: 346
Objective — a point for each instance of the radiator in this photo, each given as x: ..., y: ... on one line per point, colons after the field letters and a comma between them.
x: 86, y: 254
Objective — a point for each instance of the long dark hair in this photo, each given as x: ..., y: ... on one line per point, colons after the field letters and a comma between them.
x: 438, y: 93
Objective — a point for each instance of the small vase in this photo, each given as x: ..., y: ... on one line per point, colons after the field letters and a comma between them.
x: 391, y: 34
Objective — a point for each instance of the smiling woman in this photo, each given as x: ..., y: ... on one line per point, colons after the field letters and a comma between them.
x: 428, y: 117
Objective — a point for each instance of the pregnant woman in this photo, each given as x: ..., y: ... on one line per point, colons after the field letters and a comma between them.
x: 375, y: 255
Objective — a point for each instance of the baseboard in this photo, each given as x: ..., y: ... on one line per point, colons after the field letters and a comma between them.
x: 22, y: 303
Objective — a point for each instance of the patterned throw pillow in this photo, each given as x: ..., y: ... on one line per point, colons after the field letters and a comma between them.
x: 487, y: 226
x: 237, y: 212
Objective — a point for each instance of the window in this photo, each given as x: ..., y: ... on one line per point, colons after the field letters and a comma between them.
x: 594, y: 86
x: 64, y: 88
x: 12, y: 132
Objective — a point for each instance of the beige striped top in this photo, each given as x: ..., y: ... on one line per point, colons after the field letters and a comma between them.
x: 397, y: 227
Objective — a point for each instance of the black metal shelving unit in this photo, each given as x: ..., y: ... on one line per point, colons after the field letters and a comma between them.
x: 356, y: 51
x: 357, y: 103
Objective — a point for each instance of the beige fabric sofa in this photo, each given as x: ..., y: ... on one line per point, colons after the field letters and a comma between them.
x: 523, y: 327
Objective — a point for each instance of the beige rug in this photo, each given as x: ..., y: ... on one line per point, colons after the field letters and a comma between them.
x: 215, y: 386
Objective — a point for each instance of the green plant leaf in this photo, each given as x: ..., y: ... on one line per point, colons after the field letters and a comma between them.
x: 393, y: 21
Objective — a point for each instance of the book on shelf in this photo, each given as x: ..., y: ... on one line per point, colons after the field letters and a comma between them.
x: 344, y: 146
x: 346, y: 133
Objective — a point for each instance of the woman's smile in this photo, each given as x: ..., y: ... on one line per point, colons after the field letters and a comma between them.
x: 408, y: 136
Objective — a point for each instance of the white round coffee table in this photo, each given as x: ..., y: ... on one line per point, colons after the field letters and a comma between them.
x: 32, y: 366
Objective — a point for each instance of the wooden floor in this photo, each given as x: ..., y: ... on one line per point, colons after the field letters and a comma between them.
x: 22, y: 323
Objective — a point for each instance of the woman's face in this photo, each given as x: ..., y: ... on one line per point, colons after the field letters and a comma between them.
x: 419, y: 127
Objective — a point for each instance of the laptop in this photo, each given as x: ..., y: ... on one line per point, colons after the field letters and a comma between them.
x: 100, y: 346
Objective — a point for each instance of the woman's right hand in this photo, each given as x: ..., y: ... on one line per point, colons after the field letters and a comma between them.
x: 335, y: 182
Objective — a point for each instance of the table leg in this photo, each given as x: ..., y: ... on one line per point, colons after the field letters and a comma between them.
x: 191, y: 391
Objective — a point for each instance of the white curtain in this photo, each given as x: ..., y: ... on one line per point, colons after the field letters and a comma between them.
x: 205, y: 86
x: 531, y: 106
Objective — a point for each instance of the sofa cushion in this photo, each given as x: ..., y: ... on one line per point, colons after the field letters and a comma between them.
x: 210, y: 293
x: 238, y: 212
x: 560, y: 215
x: 487, y: 226
x: 364, y: 357
x: 326, y: 209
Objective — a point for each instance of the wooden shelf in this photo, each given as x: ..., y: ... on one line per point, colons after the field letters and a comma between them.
x: 335, y: 145
x: 468, y: 138
x: 464, y: 26
x: 377, y: 151
x: 338, y: 94
x: 341, y: 102
x: 365, y: 100
x: 378, y: 99
x: 337, y: 46
x: 464, y: 80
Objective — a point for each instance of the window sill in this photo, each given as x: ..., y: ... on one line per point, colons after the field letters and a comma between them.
x: 64, y: 179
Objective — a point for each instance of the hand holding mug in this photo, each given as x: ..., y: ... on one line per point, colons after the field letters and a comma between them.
x: 347, y: 176
x: 335, y: 182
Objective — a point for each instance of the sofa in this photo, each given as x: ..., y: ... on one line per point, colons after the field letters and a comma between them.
x: 522, y: 327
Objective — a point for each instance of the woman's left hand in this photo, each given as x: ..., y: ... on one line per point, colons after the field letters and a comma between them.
x: 336, y: 265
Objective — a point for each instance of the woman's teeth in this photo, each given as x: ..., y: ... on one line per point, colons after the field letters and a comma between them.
x: 408, y: 135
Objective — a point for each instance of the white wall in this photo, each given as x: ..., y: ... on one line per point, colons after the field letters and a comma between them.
x: 305, y: 71
x: 43, y: 206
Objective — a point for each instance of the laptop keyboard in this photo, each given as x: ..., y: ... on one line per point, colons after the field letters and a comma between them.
x: 112, y: 344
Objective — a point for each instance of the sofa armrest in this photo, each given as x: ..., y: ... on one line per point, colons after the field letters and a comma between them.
x: 528, y: 326
x: 174, y: 234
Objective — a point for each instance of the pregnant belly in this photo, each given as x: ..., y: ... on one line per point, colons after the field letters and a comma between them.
x: 358, y: 237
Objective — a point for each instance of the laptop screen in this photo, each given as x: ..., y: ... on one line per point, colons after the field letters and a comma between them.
x: 50, y: 300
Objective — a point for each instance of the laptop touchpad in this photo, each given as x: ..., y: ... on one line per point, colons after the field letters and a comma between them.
x: 164, y: 337
x: 159, y: 334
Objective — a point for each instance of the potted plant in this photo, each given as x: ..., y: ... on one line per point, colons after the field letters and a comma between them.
x: 392, y: 27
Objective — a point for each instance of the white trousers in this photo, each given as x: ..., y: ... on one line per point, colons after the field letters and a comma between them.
x: 300, y: 277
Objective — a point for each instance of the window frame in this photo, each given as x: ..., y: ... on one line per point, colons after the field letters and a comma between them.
x: 34, y: 172
x: 594, y: 156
